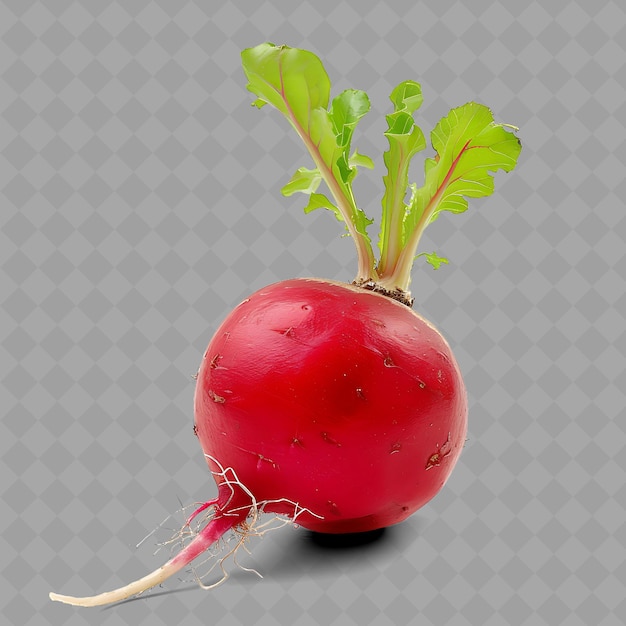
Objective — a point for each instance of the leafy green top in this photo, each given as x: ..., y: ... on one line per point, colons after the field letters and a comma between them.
x: 468, y: 145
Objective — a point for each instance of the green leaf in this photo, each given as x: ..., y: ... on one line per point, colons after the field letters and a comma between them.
x: 345, y: 112
x: 470, y: 146
x: 320, y: 201
x: 434, y: 259
x: 405, y: 140
x: 303, y: 181
x: 293, y: 81
x: 360, y: 160
x: 407, y: 96
x: 296, y: 83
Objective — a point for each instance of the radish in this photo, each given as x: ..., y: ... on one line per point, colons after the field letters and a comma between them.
x: 336, y: 406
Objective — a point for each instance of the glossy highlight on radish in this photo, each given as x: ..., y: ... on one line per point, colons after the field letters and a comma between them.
x: 330, y: 405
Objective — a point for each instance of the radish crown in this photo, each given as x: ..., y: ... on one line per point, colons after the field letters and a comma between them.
x: 468, y: 145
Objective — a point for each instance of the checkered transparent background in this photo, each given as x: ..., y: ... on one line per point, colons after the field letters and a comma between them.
x: 140, y: 202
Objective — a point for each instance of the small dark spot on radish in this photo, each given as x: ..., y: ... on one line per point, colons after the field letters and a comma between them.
x: 328, y: 439
x: 306, y: 307
x: 285, y: 332
x: 405, y: 509
x: 433, y: 460
x: 445, y: 450
x: 195, y: 430
x: 216, y: 398
x: 263, y: 459
x: 215, y: 360
x: 388, y: 361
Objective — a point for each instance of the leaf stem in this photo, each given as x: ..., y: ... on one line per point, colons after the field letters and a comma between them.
x: 400, y: 276
x: 391, y: 242
x: 343, y: 197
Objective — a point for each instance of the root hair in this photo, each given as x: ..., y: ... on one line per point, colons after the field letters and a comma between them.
x: 237, y: 538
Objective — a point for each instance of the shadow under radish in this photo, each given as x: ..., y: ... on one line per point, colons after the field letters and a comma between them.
x: 286, y: 555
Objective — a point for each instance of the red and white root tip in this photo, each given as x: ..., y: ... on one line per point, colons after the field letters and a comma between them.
x: 201, y: 542
x: 243, y: 519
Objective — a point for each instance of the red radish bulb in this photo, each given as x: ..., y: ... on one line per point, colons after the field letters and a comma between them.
x: 335, y: 405
x: 339, y: 399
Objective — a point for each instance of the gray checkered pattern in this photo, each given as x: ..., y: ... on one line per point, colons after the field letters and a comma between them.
x: 140, y: 201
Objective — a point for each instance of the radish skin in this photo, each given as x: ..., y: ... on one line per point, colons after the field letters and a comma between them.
x: 335, y: 397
